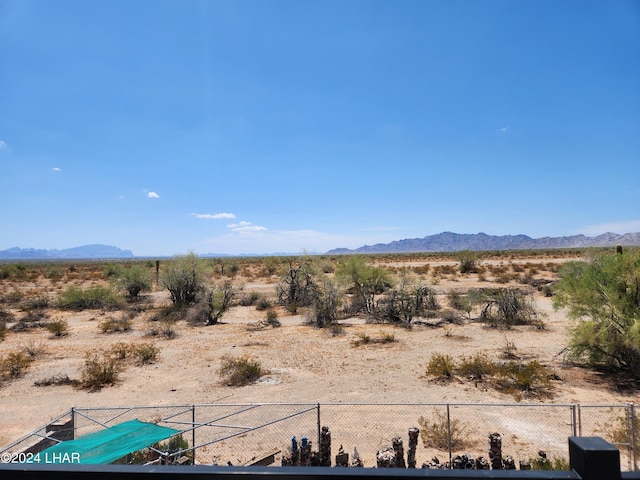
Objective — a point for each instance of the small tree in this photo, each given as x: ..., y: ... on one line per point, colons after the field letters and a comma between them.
x: 364, y: 282
x: 325, y: 307
x: 604, y: 296
x: 133, y: 280
x: 218, y: 301
x: 468, y: 261
x: 183, y: 277
x: 297, y: 287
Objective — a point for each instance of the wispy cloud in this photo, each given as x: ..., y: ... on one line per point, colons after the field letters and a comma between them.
x: 214, y: 216
x: 504, y: 130
x: 56, y: 169
x: 246, y: 227
x: 153, y: 195
x: 3, y: 145
x: 627, y: 226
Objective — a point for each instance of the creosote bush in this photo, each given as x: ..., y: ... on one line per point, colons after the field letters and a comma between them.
x: 100, y: 370
x: 435, y: 434
x: 183, y: 277
x: 364, y: 339
x: 441, y: 367
x: 75, y: 298
x: 507, y: 307
x: 238, y: 371
x: 58, y: 328
x: 14, y: 364
x: 115, y: 325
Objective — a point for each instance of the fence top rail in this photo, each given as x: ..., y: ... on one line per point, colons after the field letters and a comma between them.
x: 314, y: 404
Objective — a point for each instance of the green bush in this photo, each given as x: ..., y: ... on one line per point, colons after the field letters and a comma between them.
x: 133, y: 280
x: 525, y: 377
x: 145, y: 353
x: 603, y: 295
x: 237, y: 371
x: 58, y: 328
x: 183, y: 277
x: 272, y: 318
x: 441, y: 367
x: 99, y: 371
x: 477, y: 367
x: 507, y: 307
x: 75, y: 298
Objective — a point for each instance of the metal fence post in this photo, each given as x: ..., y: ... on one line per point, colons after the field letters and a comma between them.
x: 574, y: 420
x: 579, y: 420
x: 73, y: 422
x: 449, y: 437
x: 193, y: 433
x: 634, y: 436
x: 319, y: 427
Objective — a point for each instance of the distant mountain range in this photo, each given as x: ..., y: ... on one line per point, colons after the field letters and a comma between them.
x: 455, y: 242
x: 83, y: 252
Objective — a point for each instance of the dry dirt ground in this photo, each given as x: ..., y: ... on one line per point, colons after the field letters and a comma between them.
x: 305, y: 364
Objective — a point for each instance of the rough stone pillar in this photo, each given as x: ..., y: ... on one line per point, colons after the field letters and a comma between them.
x: 413, y: 443
x: 325, y: 447
x: 398, y: 447
x: 495, y: 451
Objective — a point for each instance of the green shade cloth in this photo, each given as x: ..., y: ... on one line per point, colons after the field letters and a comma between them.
x: 107, y: 445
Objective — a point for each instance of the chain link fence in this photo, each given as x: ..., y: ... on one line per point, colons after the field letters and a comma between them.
x: 243, y: 433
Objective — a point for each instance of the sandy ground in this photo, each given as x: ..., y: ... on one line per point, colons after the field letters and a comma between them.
x: 305, y: 364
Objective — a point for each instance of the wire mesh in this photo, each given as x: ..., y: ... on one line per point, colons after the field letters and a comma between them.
x: 239, y: 433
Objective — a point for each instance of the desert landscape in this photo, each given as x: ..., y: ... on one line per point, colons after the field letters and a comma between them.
x: 168, y: 359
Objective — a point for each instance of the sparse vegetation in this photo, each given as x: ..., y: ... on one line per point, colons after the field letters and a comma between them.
x: 115, y: 325
x: 145, y: 353
x: 100, y: 370
x: 75, y: 298
x: 441, y: 431
x: 441, y: 367
x: 507, y: 307
x: 272, y: 318
x: 133, y: 280
x: 58, y: 328
x: 14, y: 364
x: 218, y: 301
x: 238, y: 371
x: 365, y: 339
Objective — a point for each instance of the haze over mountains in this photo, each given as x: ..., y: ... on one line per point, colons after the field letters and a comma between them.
x: 455, y: 242
x: 441, y: 242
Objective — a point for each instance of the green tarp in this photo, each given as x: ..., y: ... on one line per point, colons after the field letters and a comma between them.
x: 106, y: 446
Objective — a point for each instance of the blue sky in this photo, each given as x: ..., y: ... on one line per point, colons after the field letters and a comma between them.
x: 281, y: 126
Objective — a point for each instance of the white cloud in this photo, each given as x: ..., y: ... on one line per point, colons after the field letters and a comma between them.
x: 246, y: 227
x: 628, y: 226
x: 504, y: 129
x: 56, y: 169
x: 3, y: 145
x: 214, y: 216
x: 153, y: 195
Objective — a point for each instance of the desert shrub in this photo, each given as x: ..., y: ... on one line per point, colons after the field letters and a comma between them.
x: 197, y: 314
x: 34, y: 349
x: 442, y: 433
x: 263, y: 303
x: 54, y: 380
x: 58, y: 328
x: 364, y: 339
x: 15, y: 364
x: 133, y: 280
x: 13, y: 298
x: 272, y: 318
x: 528, y: 377
x: 170, y: 314
x: 324, y: 310
x: 249, y: 298
x: 183, y: 277
x: 112, y: 270
x: 506, y: 307
x: 218, y: 301
x: 176, y: 447
x: 121, y: 350
x: 115, y: 325
x: 363, y: 282
x: 6, y: 316
x: 99, y: 371
x: 476, y: 367
x: 38, y: 301
x: 297, y: 287
x: 620, y: 431
x: 237, y: 371
x: 468, y: 261
x: 145, y: 353
x: 75, y: 298
x: 543, y: 463
x: 403, y: 304
x: 604, y: 297
x: 441, y: 367
x: 53, y: 273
